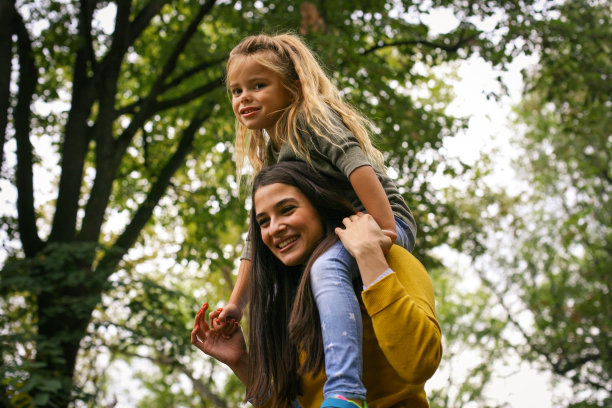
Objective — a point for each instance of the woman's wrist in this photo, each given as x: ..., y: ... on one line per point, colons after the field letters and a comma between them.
x: 241, y: 368
x: 372, y: 263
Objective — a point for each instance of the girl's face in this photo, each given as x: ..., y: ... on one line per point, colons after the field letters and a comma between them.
x: 290, y: 226
x: 258, y: 95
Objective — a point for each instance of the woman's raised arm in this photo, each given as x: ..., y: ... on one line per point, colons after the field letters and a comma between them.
x: 401, y: 304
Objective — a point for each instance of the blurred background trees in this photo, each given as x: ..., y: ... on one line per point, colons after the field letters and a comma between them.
x: 121, y: 213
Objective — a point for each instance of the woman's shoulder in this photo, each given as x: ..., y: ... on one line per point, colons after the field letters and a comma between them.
x: 401, y: 259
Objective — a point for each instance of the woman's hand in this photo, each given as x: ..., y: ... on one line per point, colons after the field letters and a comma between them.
x: 230, y: 350
x: 366, y: 242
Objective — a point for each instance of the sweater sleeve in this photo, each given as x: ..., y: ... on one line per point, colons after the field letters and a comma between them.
x: 402, y: 308
x: 343, y: 152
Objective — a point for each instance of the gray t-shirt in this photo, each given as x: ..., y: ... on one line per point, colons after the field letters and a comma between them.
x: 337, y: 159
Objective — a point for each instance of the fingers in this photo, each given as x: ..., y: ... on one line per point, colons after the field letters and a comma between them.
x: 230, y: 328
x: 213, y: 316
x: 200, y: 327
x: 354, y: 218
x: 194, y: 336
x: 199, y: 319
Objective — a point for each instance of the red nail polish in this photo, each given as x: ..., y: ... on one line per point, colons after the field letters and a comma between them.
x: 219, y: 309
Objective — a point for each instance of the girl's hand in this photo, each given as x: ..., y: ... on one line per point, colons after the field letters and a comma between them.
x: 230, y: 350
x: 362, y: 235
x: 225, y: 319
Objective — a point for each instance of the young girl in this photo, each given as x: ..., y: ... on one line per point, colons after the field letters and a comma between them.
x: 288, y: 109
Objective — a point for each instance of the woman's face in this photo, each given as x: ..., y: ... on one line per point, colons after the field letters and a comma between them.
x: 290, y: 226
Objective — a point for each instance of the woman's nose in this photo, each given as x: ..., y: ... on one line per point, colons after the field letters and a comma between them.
x: 276, y: 226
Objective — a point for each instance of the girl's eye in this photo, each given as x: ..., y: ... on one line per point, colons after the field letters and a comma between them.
x: 260, y: 85
x: 236, y: 91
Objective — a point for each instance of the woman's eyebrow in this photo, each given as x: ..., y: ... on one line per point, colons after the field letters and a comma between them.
x: 277, y: 205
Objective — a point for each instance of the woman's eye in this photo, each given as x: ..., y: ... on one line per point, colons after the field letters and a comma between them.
x: 288, y: 209
x: 263, y: 222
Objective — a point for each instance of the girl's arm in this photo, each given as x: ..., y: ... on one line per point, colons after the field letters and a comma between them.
x: 239, y: 294
x: 221, y: 319
x: 374, y: 199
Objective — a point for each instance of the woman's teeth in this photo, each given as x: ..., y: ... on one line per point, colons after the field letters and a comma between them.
x: 286, y: 242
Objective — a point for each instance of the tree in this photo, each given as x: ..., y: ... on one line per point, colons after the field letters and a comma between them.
x: 137, y: 116
x: 553, y: 280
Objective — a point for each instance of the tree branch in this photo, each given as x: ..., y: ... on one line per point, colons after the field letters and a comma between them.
x: 7, y: 15
x: 187, y: 97
x: 106, y: 84
x: 145, y: 112
x: 142, y: 20
x: 28, y: 77
x: 76, y: 137
x: 131, y: 108
x: 430, y: 44
x: 125, y: 241
x: 202, y: 389
x: 191, y: 72
x: 109, y: 153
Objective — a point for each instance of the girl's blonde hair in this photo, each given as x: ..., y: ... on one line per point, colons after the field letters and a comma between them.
x: 313, y: 94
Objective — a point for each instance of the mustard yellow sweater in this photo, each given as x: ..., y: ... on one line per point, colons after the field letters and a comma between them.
x: 401, y: 338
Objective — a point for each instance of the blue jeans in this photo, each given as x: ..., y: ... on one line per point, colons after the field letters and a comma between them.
x: 331, y: 279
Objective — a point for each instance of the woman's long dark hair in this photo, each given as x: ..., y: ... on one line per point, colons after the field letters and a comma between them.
x: 283, y: 317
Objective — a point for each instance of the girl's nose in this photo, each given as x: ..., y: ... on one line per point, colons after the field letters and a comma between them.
x: 245, y: 96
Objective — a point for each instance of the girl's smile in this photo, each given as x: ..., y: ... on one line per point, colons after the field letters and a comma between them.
x: 290, y: 226
x: 258, y: 95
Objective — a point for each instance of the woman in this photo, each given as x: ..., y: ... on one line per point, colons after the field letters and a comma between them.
x: 296, y: 216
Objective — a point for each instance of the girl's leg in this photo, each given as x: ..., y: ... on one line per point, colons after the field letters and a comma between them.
x: 331, y: 280
x: 405, y: 237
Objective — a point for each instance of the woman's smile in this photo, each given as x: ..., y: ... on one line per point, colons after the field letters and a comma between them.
x: 283, y: 245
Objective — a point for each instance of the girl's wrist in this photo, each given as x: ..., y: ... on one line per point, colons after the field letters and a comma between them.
x: 237, y: 306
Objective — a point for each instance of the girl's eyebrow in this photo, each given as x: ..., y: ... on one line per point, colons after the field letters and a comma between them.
x: 277, y: 205
x: 250, y: 80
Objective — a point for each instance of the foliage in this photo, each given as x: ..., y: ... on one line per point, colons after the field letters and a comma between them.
x: 559, y: 260
x: 145, y: 220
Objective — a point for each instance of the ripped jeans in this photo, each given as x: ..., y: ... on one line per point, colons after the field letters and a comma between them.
x: 331, y: 279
